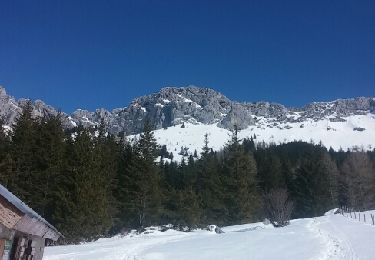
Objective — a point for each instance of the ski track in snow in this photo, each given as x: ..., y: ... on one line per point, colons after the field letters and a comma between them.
x: 335, y: 247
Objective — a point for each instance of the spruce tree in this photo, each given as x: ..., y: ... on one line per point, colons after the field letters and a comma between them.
x: 144, y: 195
x: 359, y: 178
x: 6, y: 162
x: 239, y: 174
x: 125, y: 186
x: 315, y: 187
x: 84, y: 209
x: 50, y: 164
x: 23, y: 150
x: 106, y: 154
x: 210, y: 190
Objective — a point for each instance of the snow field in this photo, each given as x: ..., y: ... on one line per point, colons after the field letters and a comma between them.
x: 327, y: 237
x: 332, y: 134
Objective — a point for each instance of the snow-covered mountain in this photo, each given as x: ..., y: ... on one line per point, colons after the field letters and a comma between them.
x: 343, y: 123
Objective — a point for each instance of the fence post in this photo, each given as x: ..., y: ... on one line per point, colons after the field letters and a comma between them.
x: 364, y: 218
x: 373, y: 221
x: 359, y: 216
x: 355, y: 215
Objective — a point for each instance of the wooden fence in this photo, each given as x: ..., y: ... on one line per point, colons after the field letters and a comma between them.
x: 357, y: 215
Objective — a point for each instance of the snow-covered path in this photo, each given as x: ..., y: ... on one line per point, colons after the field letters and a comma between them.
x: 327, y: 237
x: 334, y: 243
x: 347, y: 238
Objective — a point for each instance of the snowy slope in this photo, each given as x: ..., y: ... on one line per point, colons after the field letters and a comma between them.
x: 327, y: 237
x: 332, y: 134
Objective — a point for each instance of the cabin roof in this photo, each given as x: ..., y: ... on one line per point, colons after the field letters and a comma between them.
x: 21, y: 206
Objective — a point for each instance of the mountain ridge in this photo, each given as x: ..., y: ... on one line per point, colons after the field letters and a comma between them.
x: 176, y: 105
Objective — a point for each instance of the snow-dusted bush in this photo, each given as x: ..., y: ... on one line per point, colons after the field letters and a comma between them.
x: 214, y: 228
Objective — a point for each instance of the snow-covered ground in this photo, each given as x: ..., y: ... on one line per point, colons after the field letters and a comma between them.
x: 337, y: 135
x: 327, y: 237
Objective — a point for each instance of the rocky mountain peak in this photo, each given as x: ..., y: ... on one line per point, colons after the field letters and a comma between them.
x: 174, y: 105
x: 2, y: 91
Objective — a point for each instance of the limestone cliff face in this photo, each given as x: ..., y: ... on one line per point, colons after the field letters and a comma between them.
x: 171, y: 106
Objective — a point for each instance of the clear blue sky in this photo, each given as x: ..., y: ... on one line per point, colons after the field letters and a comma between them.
x: 89, y: 54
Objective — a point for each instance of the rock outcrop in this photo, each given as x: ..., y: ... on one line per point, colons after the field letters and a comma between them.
x: 171, y: 106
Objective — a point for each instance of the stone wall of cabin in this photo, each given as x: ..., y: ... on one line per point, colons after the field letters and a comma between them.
x: 9, y: 215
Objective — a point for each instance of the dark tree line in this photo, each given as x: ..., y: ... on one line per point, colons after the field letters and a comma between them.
x: 90, y: 184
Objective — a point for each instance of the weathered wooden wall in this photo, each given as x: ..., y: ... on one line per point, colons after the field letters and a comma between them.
x: 38, y: 244
x: 35, y: 227
x: 28, y: 247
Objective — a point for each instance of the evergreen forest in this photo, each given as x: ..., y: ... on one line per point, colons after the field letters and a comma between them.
x: 90, y: 184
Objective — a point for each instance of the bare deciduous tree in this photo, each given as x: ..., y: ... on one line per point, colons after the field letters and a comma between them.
x: 278, y: 207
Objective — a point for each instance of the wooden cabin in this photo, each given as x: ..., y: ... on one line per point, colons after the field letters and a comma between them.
x: 23, y: 233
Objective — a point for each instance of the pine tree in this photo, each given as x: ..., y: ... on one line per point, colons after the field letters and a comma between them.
x: 241, y: 194
x: 315, y: 187
x: 325, y: 186
x: 303, y: 194
x: 106, y: 154
x: 125, y: 186
x: 249, y: 145
x: 205, y: 149
x: 49, y: 164
x: 6, y: 162
x: 269, y: 170
x: 359, y: 179
x: 163, y: 152
x: 210, y: 190
x: 143, y: 193
x: 182, y: 151
x: 84, y: 209
x: 23, y: 152
x: 188, y: 208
